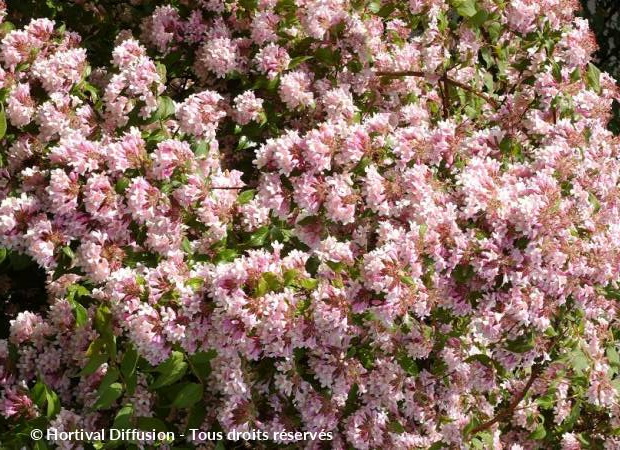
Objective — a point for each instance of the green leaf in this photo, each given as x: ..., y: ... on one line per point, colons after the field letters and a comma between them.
x: 42, y: 395
x: 3, y: 254
x: 596, y: 205
x: 575, y: 414
x: 579, y: 360
x: 122, y: 420
x: 195, y: 283
x: 40, y: 445
x: 53, y: 402
x: 290, y: 276
x: 361, y: 166
x: 121, y: 185
x: 312, y: 265
x: 550, y: 332
x: 201, y: 363
x: 2, y: 121
x: 612, y: 356
x: 81, y: 314
x: 245, y: 143
x: 297, y: 61
x: 246, y: 196
x: 327, y: 56
x: 170, y: 370
x: 161, y: 71
x: 103, y: 324
x: 406, y: 279
x: 129, y: 362
x: 479, y: 18
x: 407, y: 363
x: 465, y: 8
x: 547, y: 401
x: 257, y: 239
x: 202, y: 149
x: 273, y: 281
x: 396, y: 427
x: 110, y: 377
x: 38, y: 394
x: 6, y: 28
x: 151, y: 423
x: 226, y: 255
x: 165, y: 109
x: 336, y: 266
x: 593, y: 78
x: 186, y: 245
x: 374, y: 6
x: 539, y: 433
x: 89, y: 89
x: 308, y: 283
x: 196, y: 416
x: 93, y: 364
x: 157, y: 136
x: 380, y: 9
x: 262, y: 287
x: 610, y: 293
x: 109, y: 396
x: 68, y: 252
x: 351, y: 404
x: 131, y: 383
x: 188, y: 396
x: 521, y: 344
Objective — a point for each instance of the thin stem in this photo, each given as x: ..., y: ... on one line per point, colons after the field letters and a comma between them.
x: 472, y: 91
x: 536, y: 371
x: 445, y: 78
x: 443, y: 90
x: 402, y: 73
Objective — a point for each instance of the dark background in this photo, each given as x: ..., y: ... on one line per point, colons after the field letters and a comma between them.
x: 604, y: 18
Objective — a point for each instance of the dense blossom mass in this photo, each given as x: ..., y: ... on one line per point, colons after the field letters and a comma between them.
x: 397, y: 222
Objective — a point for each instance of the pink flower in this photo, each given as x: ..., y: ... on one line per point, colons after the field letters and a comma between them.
x: 61, y: 71
x: 338, y: 103
x: 340, y: 201
x: 200, y: 114
x: 24, y: 326
x: 100, y: 199
x: 247, y: 108
x: 162, y: 27
x: 272, y: 60
x: 295, y: 90
x: 264, y: 27
x: 220, y: 56
x: 20, y: 105
x: 17, y: 404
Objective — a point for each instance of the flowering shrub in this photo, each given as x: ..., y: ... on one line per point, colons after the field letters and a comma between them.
x: 397, y: 222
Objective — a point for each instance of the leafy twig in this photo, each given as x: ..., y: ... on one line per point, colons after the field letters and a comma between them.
x: 445, y: 78
x: 507, y: 412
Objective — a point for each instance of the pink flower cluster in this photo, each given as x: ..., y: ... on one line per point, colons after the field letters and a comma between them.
x: 366, y: 242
